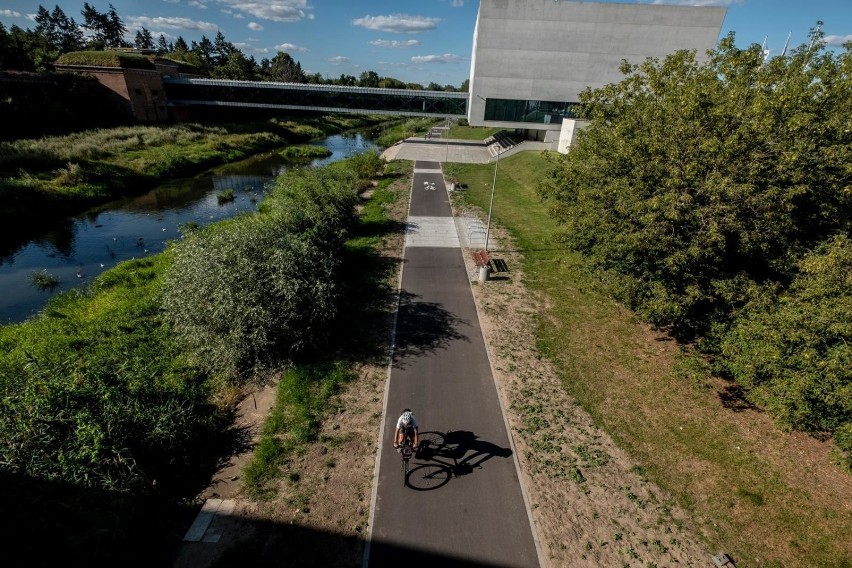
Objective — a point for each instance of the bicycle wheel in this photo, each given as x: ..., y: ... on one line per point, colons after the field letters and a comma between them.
x: 430, y: 443
x: 404, y: 473
x: 428, y: 476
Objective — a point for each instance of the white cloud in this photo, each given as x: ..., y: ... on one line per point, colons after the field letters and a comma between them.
x: 397, y: 44
x: 397, y: 23
x: 275, y: 10
x: 445, y: 58
x: 202, y: 4
x: 838, y: 40
x: 339, y: 60
x: 170, y: 24
x: 172, y: 1
x: 457, y: 3
x: 10, y: 14
x: 255, y: 27
x: 290, y: 47
x: 245, y: 47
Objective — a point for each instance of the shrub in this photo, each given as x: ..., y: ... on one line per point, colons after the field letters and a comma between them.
x: 305, y: 152
x: 367, y: 165
x: 69, y: 175
x: 226, y: 196
x: 317, y: 204
x: 843, y: 441
x: 794, y: 356
x: 44, y: 280
x: 242, y: 295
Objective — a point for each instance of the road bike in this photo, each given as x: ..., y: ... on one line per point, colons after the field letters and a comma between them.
x: 406, y: 451
x: 429, y: 443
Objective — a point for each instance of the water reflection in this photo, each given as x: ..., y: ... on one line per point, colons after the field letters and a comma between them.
x: 75, y: 250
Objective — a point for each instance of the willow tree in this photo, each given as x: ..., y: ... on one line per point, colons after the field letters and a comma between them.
x: 700, y: 185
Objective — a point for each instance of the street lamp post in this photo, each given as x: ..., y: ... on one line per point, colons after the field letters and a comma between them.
x: 447, y: 160
x: 493, y: 187
x: 491, y: 205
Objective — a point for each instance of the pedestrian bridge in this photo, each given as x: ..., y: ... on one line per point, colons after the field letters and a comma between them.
x: 182, y: 91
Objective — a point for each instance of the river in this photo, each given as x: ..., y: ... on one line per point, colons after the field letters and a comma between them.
x: 81, y: 247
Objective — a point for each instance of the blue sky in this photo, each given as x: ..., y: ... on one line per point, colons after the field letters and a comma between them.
x: 413, y: 40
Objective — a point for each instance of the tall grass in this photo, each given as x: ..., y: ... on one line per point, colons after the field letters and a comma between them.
x: 304, y: 394
x: 405, y: 129
x: 95, y: 144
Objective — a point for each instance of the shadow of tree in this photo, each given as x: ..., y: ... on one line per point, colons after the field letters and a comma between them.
x: 424, y: 327
x: 733, y: 397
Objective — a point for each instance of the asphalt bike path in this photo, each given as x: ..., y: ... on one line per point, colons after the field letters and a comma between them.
x: 463, y: 504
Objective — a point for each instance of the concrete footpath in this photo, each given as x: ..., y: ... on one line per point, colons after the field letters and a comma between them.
x: 463, y: 503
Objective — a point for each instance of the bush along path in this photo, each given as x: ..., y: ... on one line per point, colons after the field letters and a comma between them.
x: 306, y: 484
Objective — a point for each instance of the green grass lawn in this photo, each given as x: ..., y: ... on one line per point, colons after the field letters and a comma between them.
x: 734, y: 475
x: 472, y: 132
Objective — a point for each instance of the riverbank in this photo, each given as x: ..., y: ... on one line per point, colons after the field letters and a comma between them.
x: 43, y: 179
x: 122, y: 394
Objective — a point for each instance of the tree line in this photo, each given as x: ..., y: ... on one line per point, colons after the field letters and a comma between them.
x: 717, y: 198
x: 55, y: 33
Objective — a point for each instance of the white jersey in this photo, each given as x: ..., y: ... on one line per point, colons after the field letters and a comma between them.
x: 400, y: 424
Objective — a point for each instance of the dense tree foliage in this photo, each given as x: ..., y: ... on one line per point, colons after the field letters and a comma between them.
x: 794, y: 355
x: 700, y: 186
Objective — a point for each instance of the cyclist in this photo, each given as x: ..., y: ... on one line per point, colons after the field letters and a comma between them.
x: 406, y: 425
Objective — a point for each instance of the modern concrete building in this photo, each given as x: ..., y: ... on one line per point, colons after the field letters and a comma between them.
x: 532, y: 58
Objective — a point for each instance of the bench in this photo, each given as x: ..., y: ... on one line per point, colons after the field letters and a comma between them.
x: 480, y: 257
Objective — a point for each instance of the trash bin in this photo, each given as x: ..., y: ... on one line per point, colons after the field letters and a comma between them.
x: 484, y: 273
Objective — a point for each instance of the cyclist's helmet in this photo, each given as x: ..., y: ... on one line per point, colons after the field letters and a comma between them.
x: 406, y: 416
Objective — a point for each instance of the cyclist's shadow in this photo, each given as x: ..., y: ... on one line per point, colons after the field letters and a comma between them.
x: 454, y: 454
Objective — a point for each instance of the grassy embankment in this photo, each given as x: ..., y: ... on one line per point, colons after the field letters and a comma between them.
x: 405, y: 129
x: 741, y: 478
x: 472, y: 132
x: 61, y: 175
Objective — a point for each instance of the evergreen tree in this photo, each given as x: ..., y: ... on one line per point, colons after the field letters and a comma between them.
x: 180, y: 45
x: 144, y: 39
x: 222, y: 50
x: 162, y: 45
x: 203, y: 50
x: 107, y: 28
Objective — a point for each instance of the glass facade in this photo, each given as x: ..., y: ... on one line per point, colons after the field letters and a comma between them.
x: 538, y: 112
